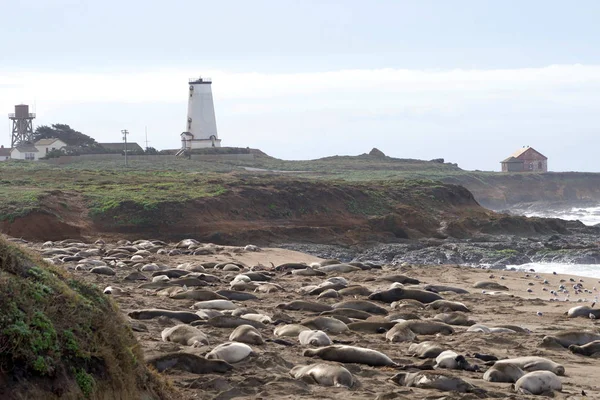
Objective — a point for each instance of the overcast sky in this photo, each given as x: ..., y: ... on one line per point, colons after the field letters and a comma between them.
x: 469, y: 81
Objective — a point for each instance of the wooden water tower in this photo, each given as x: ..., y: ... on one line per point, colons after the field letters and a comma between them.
x: 22, y: 125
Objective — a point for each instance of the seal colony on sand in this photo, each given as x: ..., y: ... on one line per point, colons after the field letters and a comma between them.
x: 215, y: 309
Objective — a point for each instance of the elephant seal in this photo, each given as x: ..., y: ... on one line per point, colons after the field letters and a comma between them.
x: 197, y: 295
x: 265, y: 319
x: 230, y: 352
x: 351, y: 354
x: 448, y: 305
x: 404, y: 316
x: 346, y: 312
x: 400, y: 333
x: 326, y: 324
x: 371, y: 326
x: 184, y: 334
x: 301, y: 305
x: 533, y: 363
x: 454, y: 318
x: 452, y: 360
x: 355, y: 290
x: 444, y: 288
x: 569, y: 337
x: 491, y: 285
x: 362, y: 305
x: 480, y: 328
x: 183, y: 316
x: 324, y: 374
x: 503, y: 372
x: 214, y: 305
x: 425, y: 350
x: 538, y: 382
x: 342, y: 268
x: 429, y: 327
x: 583, y: 311
x: 228, y: 321
x: 399, y: 278
x: 236, y: 296
x: 246, y: 334
x: 431, y: 380
x: 308, y: 272
x: 587, y: 349
x: 391, y: 295
x: 290, y: 330
x: 314, y: 338
x: 189, y: 363
x: 329, y: 294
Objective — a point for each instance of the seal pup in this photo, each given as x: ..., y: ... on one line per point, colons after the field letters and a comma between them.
x: 214, y: 305
x: 425, y: 350
x: 246, y: 334
x: 301, y: 305
x: 447, y: 305
x: 188, y: 362
x: 197, y: 295
x: 230, y: 352
x: 590, y: 349
x: 534, y: 363
x: 362, y: 305
x: 399, y: 278
x: 503, y: 372
x: 323, y: 374
x: 392, y: 295
x: 326, y: 324
x: 431, y: 380
x: 452, y: 360
x: 444, y: 288
x: 569, y: 337
x: 491, y: 285
x: 371, y: 326
x: 355, y: 290
x: 400, y: 333
x: 229, y: 321
x: 454, y: 318
x: 429, y: 327
x: 290, y: 330
x: 480, y: 328
x: 314, y: 338
x: 350, y: 354
x: 116, y: 291
x: 183, y: 316
x: 346, y: 312
x: 185, y: 334
x: 538, y: 382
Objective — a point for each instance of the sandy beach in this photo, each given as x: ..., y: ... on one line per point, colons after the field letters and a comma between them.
x: 266, y: 374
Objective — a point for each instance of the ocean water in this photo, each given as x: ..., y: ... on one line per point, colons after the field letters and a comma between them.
x: 588, y: 215
x: 586, y: 270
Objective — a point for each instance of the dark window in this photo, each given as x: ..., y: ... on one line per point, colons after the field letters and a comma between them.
x: 540, y: 165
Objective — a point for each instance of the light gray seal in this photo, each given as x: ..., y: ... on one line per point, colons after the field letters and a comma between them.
x: 314, y: 338
x: 429, y: 327
x: 391, y: 295
x: 355, y: 290
x: 323, y: 374
x: 590, y: 349
x: 246, y: 334
x: 425, y: 350
x: 533, y: 363
x: 290, y: 330
x: 400, y: 333
x: 448, y: 305
x: 569, y: 337
x: 362, y: 305
x: 432, y: 380
x: 188, y: 362
x: 351, y: 354
x: 326, y: 324
x: 583, y: 311
x: 538, y: 382
x: 454, y: 318
x: 503, y: 372
x: 184, y: 334
x: 452, y: 360
x: 230, y: 352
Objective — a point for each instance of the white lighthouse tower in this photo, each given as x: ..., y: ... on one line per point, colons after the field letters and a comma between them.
x: 201, y: 127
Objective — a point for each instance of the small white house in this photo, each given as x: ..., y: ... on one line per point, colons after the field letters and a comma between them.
x: 45, y: 146
x: 25, y: 152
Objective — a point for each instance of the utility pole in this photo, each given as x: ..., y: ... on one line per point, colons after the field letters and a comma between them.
x: 146, y: 130
x: 125, y: 132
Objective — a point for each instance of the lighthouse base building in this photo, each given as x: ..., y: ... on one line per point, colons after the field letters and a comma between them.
x: 201, y: 129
